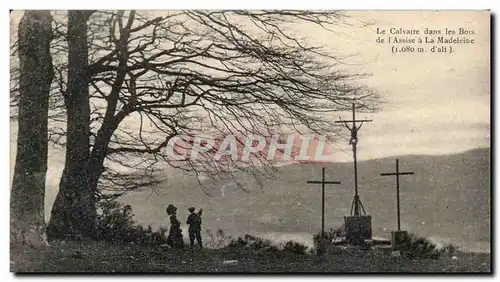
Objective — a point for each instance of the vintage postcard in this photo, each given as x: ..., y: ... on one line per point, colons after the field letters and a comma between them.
x: 250, y: 141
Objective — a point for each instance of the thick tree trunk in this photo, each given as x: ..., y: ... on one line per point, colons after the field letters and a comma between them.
x: 100, y: 149
x: 98, y: 154
x: 74, y: 212
x: 36, y: 74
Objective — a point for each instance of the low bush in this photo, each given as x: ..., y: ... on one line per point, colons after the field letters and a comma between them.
x: 253, y: 243
x: 115, y: 223
x: 330, y: 237
x: 420, y: 247
x: 217, y: 240
x: 256, y: 244
x: 450, y: 250
x: 294, y: 248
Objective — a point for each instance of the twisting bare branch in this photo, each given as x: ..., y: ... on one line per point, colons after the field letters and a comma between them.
x: 179, y: 73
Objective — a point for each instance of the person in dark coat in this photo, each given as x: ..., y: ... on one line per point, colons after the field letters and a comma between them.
x: 194, y: 222
x: 174, y: 238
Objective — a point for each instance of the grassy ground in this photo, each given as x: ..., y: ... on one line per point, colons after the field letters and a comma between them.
x: 105, y: 257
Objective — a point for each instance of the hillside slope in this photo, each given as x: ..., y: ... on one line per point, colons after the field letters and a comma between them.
x: 447, y: 199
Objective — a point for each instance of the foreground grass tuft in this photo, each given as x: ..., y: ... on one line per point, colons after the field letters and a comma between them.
x: 104, y: 257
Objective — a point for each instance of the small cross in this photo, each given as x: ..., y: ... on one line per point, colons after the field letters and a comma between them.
x: 397, y: 173
x: 323, y: 182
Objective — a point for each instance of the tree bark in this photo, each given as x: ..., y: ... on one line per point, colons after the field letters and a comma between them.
x: 111, y: 121
x: 36, y: 75
x: 74, y: 212
x: 99, y: 152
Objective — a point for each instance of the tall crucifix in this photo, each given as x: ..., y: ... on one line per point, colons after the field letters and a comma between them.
x: 397, y: 174
x: 323, y: 182
x: 356, y: 202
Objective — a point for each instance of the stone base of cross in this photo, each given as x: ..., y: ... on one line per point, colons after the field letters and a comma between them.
x: 398, y: 239
x: 358, y: 229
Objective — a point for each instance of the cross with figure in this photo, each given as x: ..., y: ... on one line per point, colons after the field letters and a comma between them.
x: 356, y: 203
x: 354, y: 128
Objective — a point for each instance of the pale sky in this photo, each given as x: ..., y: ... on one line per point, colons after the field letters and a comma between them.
x: 436, y: 103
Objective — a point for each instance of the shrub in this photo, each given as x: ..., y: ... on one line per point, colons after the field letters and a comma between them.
x: 295, y: 248
x: 115, y: 224
x: 420, y: 247
x: 256, y: 244
x: 450, y: 250
x: 331, y: 236
x: 253, y: 243
x: 217, y: 240
x: 238, y: 243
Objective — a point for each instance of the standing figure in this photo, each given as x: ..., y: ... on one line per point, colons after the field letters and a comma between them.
x: 174, y: 238
x: 194, y: 222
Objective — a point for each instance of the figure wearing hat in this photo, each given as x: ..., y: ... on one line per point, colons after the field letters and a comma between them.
x: 194, y: 222
x: 174, y: 238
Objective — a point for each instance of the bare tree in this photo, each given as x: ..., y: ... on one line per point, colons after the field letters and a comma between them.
x: 74, y: 211
x: 35, y: 77
x: 156, y: 77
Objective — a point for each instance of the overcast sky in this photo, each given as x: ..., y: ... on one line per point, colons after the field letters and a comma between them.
x: 436, y: 103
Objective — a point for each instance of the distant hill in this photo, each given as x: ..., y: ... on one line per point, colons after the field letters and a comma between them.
x: 448, y: 198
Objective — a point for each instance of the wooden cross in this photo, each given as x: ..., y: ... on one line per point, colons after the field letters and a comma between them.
x: 323, y: 182
x: 397, y: 173
x: 354, y: 141
x: 354, y: 129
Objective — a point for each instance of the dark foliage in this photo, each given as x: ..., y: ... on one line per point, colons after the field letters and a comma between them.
x: 330, y: 237
x: 420, y: 247
x: 295, y: 248
x: 115, y: 223
x: 216, y: 240
x: 450, y: 250
x: 256, y: 244
x: 253, y: 243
